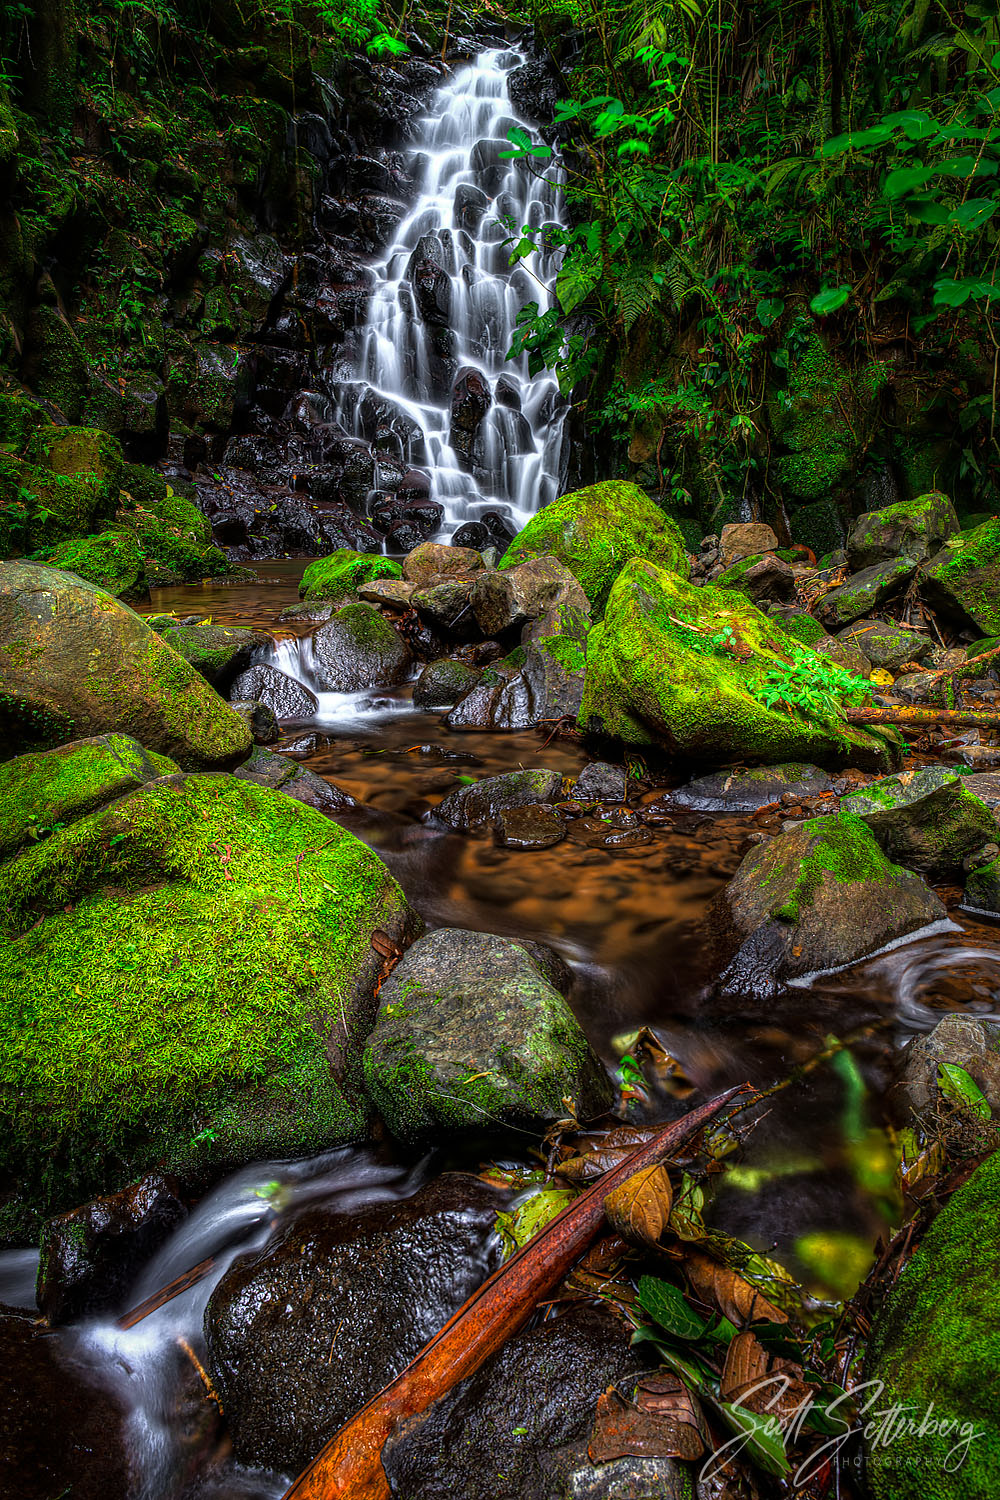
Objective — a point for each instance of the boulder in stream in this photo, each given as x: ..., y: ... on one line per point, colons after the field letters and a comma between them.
x: 926, y: 819
x: 748, y: 788
x: 283, y: 695
x: 359, y: 649
x: 219, y: 652
x: 963, y: 579
x: 443, y: 683
x: 343, y: 572
x: 268, y: 768
x: 303, y: 1333
x: 687, y: 668
x: 816, y: 898
x: 78, y: 662
x: 186, y: 974
x: 476, y: 806
x: 471, y: 1034
x: 911, y: 528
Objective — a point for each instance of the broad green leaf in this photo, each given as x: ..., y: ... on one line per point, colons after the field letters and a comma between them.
x: 766, y: 1446
x: 670, y: 1308
x: 905, y: 179
x: 769, y: 310
x: 927, y: 210
x: 829, y: 299
x: 973, y: 213
x: 956, y: 1085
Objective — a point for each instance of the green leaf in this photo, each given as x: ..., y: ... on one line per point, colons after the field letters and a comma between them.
x: 973, y: 213
x: 829, y: 300
x: 927, y: 210
x: 956, y: 1085
x: 668, y: 1305
x: 905, y: 179
x: 769, y: 310
x: 766, y: 1446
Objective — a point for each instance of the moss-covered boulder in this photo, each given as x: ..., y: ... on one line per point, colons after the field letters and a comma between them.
x: 818, y: 897
x: 963, y: 579
x: 442, y: 683
x: 595, y: 531
x: 471, y: 1034
x: 76, y: 662
x: 685, y: 668
x: 477, y: 806
x: 343, y: 573
x: 863, y: 593
x: 935, y: 1345
x: 181, y: 977
x: 886, y: 644
x: 911, y: 528
x: 926, y: 820
x: 219, y: 652
x: 762, y: 578
x: 88, y: 466
x: 41, y: 793
x: 113, y: 560
x: 359, y: 649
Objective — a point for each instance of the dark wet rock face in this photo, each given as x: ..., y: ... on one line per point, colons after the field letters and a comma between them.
x: 532, y: 827
x: 91, y: 1255
x: 926, y: 820
x: 517, y: 1430
x: 301, y: 1334
x: 442, y: 683
x: 476, y: 807
x: 285, y: 775
x: 286, y: 697
x: 747, y: 789
x: 359, y: 649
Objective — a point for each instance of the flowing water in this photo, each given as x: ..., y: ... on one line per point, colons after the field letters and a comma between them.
x: 445, y: 304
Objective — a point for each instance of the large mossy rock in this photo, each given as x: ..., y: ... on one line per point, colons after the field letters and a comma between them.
x: 818, y: 897
x: 911, y: 528
x: 358, y: 649
x: 963, y: 579
x: 477, y: 805
x: 471, y: 1034
x: 332, y: 1309
x: 76, y: 662
x: 662, y: 670
x: 343, y: 573
x: 926, y: 820
x: 863, y: 593
x: 594, y: 532
x: 935, y: 1344
x: 219, y: 652
x: 181, y: 977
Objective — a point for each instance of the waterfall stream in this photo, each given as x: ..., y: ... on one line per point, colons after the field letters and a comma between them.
x: 433, y: 387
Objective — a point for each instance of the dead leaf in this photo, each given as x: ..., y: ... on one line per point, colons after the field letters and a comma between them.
x: 383, y: 944
x: 624, y: 1430
x: 726, y: 1289
x: 640, y: 1208
x: 746, y: 1366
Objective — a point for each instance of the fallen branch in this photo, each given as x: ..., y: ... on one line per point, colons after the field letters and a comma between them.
x: 905, y: 714
x: 167, y: 1293
x: 963, y: 666
x: 350, y: 1465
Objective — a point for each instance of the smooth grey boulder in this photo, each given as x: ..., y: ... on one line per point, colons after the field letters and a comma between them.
x: 475, y: 807
x: 886, y: 644
x: 283, y: 695
x: 282, y: 773
x: 358, y: 649
x: 926, y: 820
x: 600, y: 782
x: 470, y: 1034
x: 444, y: 683
x: 261, y: 720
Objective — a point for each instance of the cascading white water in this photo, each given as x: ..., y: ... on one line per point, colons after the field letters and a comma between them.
x: 445, y: 304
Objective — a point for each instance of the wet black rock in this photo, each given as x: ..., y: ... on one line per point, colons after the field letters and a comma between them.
x: 301, y: 1334
x: 91, y: 1255
x: 476, y: 807
x: 219, y: 652
x: 358, y: 649
x: 600, y: 782
x: 533, y: 92
x: 260, y: 720
x: 443, y: 683
x: 536, y: 826
x: 471, y: 204
x: 287, y: 698
x: 746, y: 789
x: 518, y: 1429
x: 282, y: 773
x: 490, y: 530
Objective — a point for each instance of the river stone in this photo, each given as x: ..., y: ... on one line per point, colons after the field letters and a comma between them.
x: 887, y: 645
x: 963, y: 579
x: 863, y: 593
x: 845, y: 653
x: 394, y: 593
x: 64, y: 1433
x: 185, y: 975
x: 443, y: 683
x: 935, y: 1345
x: 91, y: 1255
x: 596, y: 531
x: 503, y: 600
x: 600, y: 782
x: 470, y: 1033
x: 41, y: 792
x: 982, y: 889
x: 261, y: 720
x: 219, y: 652
x: 302, y: 1333
x: 267, y: 768
x: 477, y: 806
x: 747, y: 788
x: 518, y: 1428
x: 966, y: 1042
x: 342, y: 573
x: 745, y: 539
x: 912, y: 529
x: 818, y: 897
x: 436, y: 559
x: 926, y: 820
x: 662, y: 671
x: 448, y: 603
x: 762, y: 579
x: 314, y: 612
x: 77, y: 663
x: 359, y: 649
x: 283, y: 695
x: 534, y: 827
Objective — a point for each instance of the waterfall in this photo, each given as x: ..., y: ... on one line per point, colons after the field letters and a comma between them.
x: 433, y: 389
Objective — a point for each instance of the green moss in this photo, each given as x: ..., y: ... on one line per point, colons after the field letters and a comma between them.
x: 19, y: 418
x: 595, y: 531
x: 936, y: 1346
x: 112, y: 559
x: 844, y: 849
x: 823, y: 419
x: 175, y: 973
x: 343, y: 572
x: 803, y: 628
x: 965, y: 576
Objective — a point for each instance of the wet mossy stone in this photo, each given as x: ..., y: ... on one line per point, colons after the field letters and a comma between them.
x: 284, y: 774
x: 661, y: 670
x: 887, y: 645
x: 19, y: 418
x: 910, y: 529
x: 927, y: 820
x: 478, y: 805
x: 113, y: 560
x: 358, y: 649
x: 184, y: 975
x: 81, y: 451
x: 285, y: 696
x: 963, y: 579
x: 343, y: 572
x: 41, y: 793
x: 596, y: 531
x: 935, y: 1345
x: 816, y: 898
x: 471, y: 1035
x: 748, y: 788
x: 802, y: 627
x: 219, y: 652
x: 443, y: 683
x: 863, y: 593
x: 77, y: 662
x: 761, y: 577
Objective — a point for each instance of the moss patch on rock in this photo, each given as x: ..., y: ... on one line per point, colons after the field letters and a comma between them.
x: 344, y: 572
x: 963, y: 579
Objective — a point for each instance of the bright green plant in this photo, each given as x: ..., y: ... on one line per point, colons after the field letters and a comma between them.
x: 812, y: 685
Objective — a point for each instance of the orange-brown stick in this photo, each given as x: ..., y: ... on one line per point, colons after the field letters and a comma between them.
x: 349, y: 1467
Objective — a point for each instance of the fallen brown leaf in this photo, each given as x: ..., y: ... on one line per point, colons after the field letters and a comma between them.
x: 640, y: 1208
x: 726, y: 1289
x: 624, y: 1430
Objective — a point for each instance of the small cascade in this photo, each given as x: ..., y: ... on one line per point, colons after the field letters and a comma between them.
x: 433, y: 389
x: 294, y: 657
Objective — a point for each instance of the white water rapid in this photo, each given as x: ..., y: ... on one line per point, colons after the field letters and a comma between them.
x: 442, y: 315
